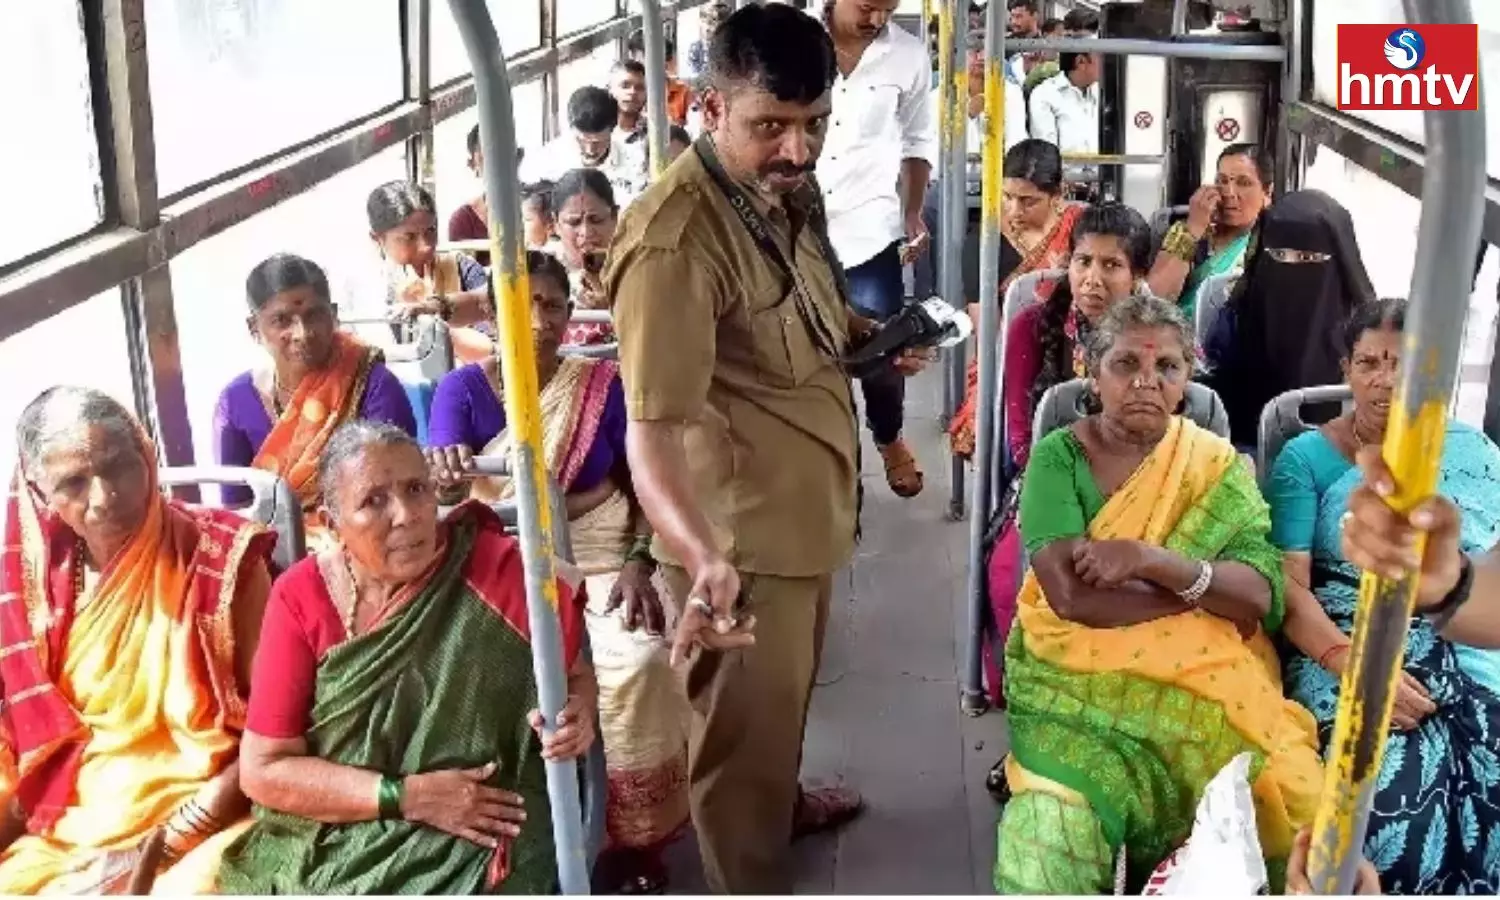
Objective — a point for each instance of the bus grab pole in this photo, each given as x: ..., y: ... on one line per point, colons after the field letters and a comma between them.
x: 946, y: 13
x: 954, y: 185
x: 975, y: 699
x: 523, y: 411
x: 656, y: 85
x: 1453, y: 186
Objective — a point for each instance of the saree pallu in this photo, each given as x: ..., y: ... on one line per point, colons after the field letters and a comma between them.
x: 1115, y: 732
x: 1229, y: 256
x: 118, y: 712
x: 444, y: 682
x: 1435, y: 821
x: 643, y: 709
x: 1051, y: 252
x: 323, y: 401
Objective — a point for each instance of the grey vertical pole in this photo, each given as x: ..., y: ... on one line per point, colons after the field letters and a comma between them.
x: 954, y: 184
x: 1453, y: 187
x: 498, y: 137
x: 975, y: 700
x: 656, y: 85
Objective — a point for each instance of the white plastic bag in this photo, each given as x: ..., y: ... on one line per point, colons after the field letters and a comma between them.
x: 1222, y: 857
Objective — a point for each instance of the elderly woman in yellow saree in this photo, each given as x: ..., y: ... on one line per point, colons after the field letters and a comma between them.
x: 128, y: 626
x: 1140, y: 663
x: 643, y: 709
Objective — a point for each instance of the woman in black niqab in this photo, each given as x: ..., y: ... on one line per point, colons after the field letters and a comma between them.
x: 1281, y: 328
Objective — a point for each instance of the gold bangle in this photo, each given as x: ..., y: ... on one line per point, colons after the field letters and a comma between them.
x: 1179, y: 242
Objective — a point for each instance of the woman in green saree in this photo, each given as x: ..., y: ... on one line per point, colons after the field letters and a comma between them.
x: 392, y: 743
x: 1213, y: 238
x: 1139, y: 665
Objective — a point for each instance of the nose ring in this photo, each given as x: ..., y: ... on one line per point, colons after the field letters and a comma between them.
x: 1137, y: 383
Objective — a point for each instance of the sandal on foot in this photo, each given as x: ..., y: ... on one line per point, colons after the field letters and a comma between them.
x: 997, y: 784
x: 824, y: 809
x: 901, y: 470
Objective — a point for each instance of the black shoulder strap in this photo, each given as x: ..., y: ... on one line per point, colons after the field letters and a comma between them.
x: 760, y: 231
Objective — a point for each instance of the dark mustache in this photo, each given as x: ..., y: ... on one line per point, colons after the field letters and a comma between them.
x: 790, y: 170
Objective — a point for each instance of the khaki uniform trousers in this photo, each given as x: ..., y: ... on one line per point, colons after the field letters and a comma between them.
x: 745, y: 744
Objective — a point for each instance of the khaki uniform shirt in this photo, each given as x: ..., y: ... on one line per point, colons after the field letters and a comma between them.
x: 710, y: 335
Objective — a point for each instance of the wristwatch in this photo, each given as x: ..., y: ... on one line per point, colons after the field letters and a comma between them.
x: 1446, y: 608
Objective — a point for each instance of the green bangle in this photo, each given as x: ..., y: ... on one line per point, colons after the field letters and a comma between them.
x: 388, y: 797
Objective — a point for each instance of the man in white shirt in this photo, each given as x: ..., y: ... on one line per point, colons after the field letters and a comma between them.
x: 1065, y: 111
x: 881, y: 145
x: 593, y: 117
x: 627, y: 84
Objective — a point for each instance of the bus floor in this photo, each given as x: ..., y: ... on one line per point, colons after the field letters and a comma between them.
x: 885, y: 716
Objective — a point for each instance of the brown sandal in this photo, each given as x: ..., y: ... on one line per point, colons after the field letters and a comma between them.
x: 901, y: 470
x: 824, y: 809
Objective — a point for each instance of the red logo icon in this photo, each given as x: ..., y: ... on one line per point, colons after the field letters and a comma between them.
x: 1408, y: 67
x: 1143, y: 119
x: 1228, y: 129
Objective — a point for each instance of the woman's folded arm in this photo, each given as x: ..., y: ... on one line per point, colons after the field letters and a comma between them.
x: 1130, y: 603
x: 1237, y: 592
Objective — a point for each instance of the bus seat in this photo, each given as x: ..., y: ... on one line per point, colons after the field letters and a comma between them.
x: 420, y: 365
x: 610, y: 350
x: 1022, y: 291
x: 1282, y: 420
x: 1162, y: 219
x: 1213, y: 294
x: 1062, y: 405
x: 273, y: 503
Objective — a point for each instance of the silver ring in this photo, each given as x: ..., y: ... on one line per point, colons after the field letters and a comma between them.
x: 1345, y: 519
x: 701, y: 605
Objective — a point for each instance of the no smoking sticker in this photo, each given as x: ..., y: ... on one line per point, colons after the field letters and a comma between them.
x: 1143, y: 119
x: 1228, y: 129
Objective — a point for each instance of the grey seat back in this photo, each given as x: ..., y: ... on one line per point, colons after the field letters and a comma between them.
x: 610, y: 350
x: 1281, y: 420
x: 1062, y: 405
x: 1162, y: 219
x: 426, y: 357
x: 1022, y: 291
x: 273, y: 503
x: 1213, y: 295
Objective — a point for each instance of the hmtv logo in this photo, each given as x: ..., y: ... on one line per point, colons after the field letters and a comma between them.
x: 1408, y: 67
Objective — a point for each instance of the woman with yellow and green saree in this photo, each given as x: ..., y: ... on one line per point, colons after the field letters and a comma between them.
x: 1140, y: 663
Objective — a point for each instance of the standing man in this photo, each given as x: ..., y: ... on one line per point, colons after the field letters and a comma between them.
x: 877, y: 162
x: 742, y: 443
x: 1065, y: 112
x: 627, y: 84
x: 593, y: 143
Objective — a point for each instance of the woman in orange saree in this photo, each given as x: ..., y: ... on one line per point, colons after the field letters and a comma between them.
x: 128, y: 626
x: 1037, y: 229
x: 279, y: 418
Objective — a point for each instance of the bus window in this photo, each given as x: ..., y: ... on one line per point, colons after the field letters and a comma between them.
x: 518, y: 25
x: 83, y: 345
x: 231, y: 83
x: 456, y: 183
x: 576, y: 15
x: 50, y: 151
x: 327, y: 225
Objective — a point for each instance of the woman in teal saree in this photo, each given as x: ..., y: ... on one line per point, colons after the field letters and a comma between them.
x: 1212, y: 240
x: 392, y: 743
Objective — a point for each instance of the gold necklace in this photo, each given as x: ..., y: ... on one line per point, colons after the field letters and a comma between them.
x: 1359, y: 440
